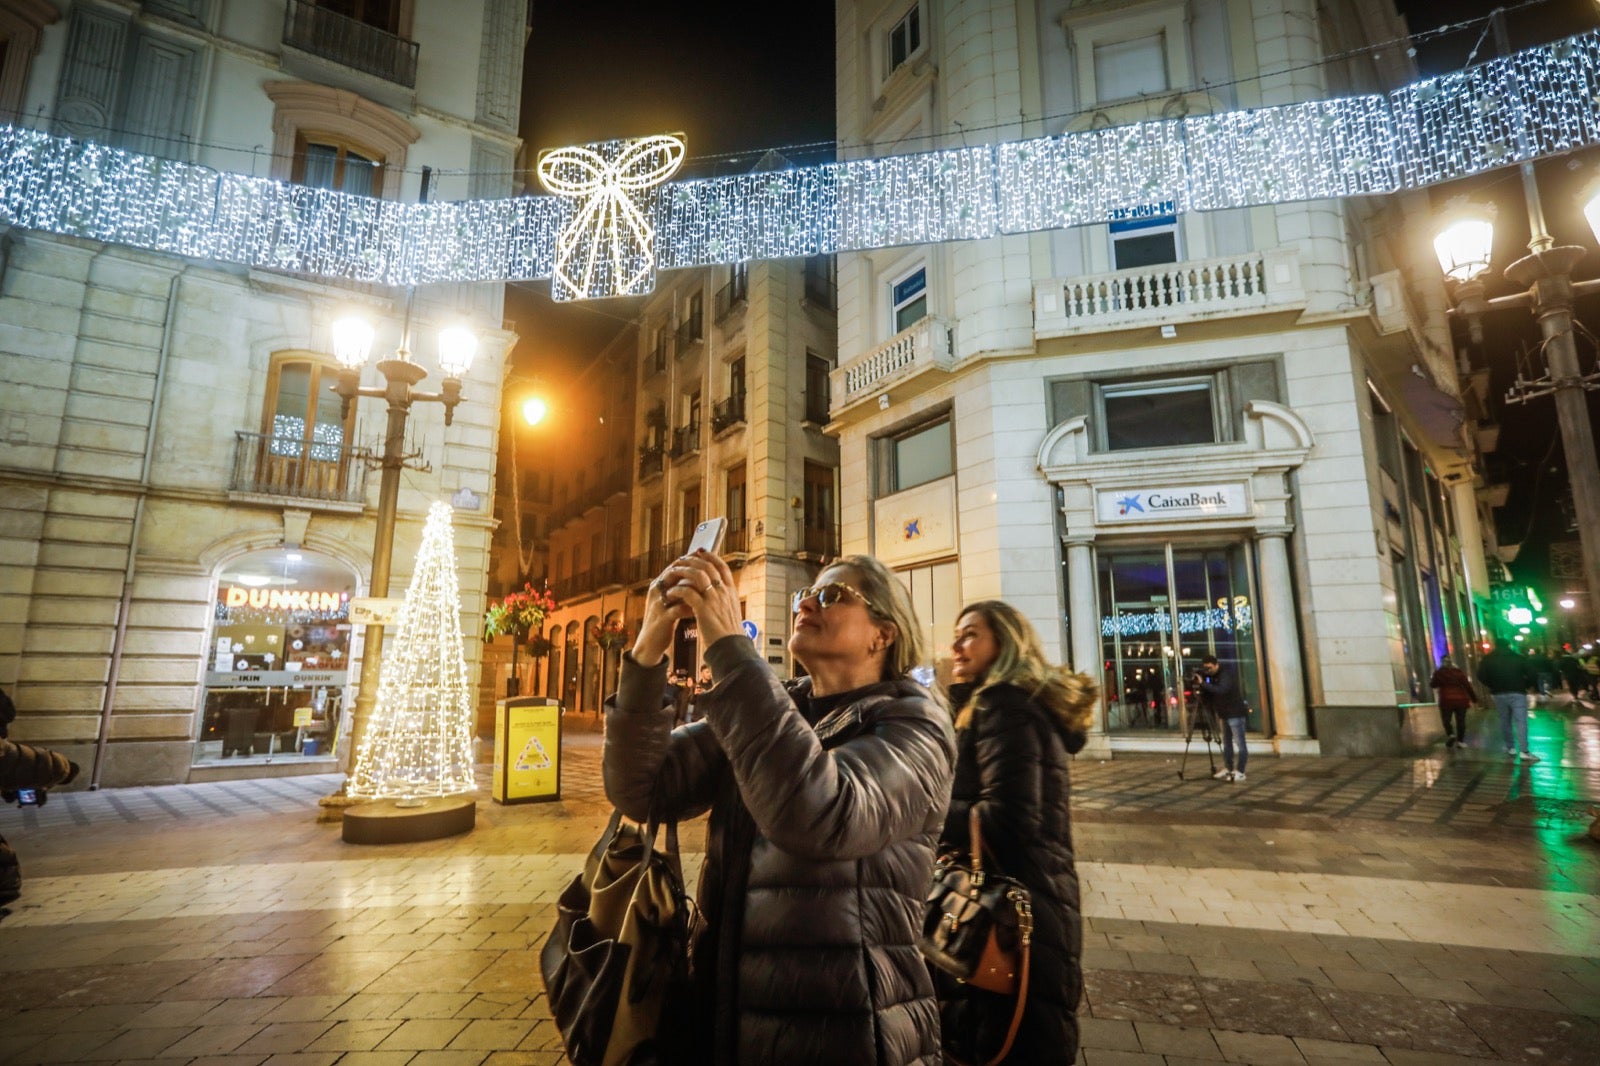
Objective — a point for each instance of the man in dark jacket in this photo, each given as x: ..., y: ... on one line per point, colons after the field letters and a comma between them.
x: 1508, y: 677
x: 1219, y: 687
x: 23, y: 766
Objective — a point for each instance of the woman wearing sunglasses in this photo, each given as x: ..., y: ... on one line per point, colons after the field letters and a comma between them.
x: 1018, y: 718
x: 826, y: 795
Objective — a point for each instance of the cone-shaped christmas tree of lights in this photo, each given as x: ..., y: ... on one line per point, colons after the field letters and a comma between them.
x: 419, y: 742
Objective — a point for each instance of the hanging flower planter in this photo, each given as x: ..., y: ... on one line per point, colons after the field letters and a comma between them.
x: 520, y: 616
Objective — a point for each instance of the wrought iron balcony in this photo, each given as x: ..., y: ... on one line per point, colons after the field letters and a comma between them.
x: 821, y: 542
x: 727, y: 413
x: 298, y: 469
x: 656, y: 361
x: 691, y: 331
x: 732, y: 295
x: 737, y: 541
x: 650, y: 460
x: 1167, y: 293
x: 916, y: 352
x: 685, y: 439
x: 326, y: 33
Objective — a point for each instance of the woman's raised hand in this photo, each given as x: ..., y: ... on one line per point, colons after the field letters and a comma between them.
x: 660, y: 619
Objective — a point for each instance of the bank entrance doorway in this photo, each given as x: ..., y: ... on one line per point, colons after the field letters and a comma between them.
x: 1163, y: 608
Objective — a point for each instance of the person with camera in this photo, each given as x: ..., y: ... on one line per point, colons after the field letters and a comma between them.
x: 1018, y: 719
x: 826, y: 796
x: 1218, y: 686
x: 25, y: 772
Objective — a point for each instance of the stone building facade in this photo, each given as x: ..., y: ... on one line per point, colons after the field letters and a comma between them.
x: 185, y: 511
x: 1173, y: 434
x: 730, y: 397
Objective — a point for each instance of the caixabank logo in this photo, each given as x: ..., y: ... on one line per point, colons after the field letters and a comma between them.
x: 1147, y: 502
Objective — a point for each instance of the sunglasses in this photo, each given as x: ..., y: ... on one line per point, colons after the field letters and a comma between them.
x: 828, y: 595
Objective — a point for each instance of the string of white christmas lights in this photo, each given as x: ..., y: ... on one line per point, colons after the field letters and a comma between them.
x: 419, y: 742
x: 1535, y: 103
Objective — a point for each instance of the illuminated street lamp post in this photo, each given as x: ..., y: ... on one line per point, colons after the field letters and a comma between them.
x: 1463, y: 247
x: 352, y: 346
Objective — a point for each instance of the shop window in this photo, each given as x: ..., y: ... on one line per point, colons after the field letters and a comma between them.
x: 278, y: 658
x: 327, y: 163
x: 915, y: 457
x: 1158, y: 414
x: 908, y: 298
x: 904, y: 38
x: 1125, y: 69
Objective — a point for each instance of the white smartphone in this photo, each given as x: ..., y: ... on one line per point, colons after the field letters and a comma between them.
x: 708, y: 535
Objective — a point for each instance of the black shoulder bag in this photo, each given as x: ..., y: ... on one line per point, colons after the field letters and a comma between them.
x: 977, y: 926
x: 616, y: 963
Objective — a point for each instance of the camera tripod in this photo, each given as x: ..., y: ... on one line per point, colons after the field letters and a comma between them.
x: 1202, y: 719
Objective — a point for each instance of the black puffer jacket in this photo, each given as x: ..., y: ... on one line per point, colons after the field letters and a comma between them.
x: 824, y: 816
x: 1012, y: 764
x: 25, y: 766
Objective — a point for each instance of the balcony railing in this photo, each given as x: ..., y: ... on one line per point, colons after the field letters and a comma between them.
x: 328, y: 34
x: 737, y: 541
x: 645, y: 566
x: 823, y: 542
x: 656, y: 361
x: 293, y: 468
x: 650, y: 460
x: 727, y: 413
x: 910, y: 353
x: 1224, y: 287
x: 731, y: 295
x: 685, y: 439
x: 691, y: 331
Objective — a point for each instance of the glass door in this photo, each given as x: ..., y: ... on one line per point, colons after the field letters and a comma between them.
x: 1163, y: 609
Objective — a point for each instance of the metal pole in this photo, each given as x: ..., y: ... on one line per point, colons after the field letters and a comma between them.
x: 399, y: 376
x: 1548, y: 276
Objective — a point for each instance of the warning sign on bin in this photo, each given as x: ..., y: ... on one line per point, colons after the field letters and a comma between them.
x: 527, y: 750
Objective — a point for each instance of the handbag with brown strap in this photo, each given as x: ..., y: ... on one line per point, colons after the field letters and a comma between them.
x: 978, y: 927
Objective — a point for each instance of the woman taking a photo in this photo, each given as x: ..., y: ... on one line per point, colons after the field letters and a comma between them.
x: 826, y: 796
x: 1018, y: 718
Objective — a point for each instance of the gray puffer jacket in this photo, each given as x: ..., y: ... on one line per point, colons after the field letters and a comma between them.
x: 824, y: 817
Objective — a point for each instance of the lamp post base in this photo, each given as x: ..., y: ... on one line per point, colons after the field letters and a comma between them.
x: 387, y: 822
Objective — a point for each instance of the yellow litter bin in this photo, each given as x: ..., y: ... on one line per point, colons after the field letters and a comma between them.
x: 527, y: 750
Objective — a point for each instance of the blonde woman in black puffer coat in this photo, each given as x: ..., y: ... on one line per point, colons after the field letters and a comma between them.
x: 1019, y: 718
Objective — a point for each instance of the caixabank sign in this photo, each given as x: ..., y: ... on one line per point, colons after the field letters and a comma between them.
x: 1166, y: 502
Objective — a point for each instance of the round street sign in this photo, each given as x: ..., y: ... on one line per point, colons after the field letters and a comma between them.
x: 750, y: 629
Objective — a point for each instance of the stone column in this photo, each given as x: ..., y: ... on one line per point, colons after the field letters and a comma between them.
x: 1285, y: 674
x: 1083, y: 629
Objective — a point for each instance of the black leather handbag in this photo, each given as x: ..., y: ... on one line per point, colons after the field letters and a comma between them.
x: 977, y: 926
x: 615, y: 966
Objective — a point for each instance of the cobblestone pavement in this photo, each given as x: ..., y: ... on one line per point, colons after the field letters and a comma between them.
x: 1433, y: 911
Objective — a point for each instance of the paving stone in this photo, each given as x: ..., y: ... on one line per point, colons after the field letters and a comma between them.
x: 1398, y: 1021
x: 1258, y: 1049
x: 1317, y: 1050
x: 1177, y: 1040
x: 1107, y: 1033
x: 1168, y: 998
x: 1262, y: 1007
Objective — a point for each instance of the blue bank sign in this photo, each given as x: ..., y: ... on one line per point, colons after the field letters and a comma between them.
x: 1165, y: 502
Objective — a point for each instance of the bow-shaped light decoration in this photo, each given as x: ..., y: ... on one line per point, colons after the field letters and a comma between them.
x: 608, y: 248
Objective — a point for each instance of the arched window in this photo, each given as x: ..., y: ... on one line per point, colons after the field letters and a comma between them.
x: 304, y: 432
x: 337, y: 139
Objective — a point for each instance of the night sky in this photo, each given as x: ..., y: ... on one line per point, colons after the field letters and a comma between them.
x: 738, y: 84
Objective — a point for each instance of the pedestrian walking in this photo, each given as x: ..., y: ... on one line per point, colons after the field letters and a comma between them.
x: 1219, y: 687
x: 1018, y: 719
x: 1508, y: 677
x: 1453, y: 690
x: 826, y: 793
